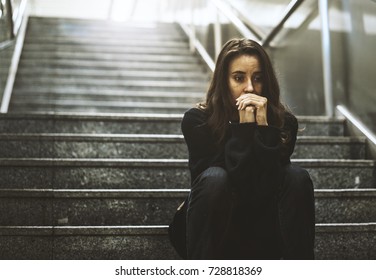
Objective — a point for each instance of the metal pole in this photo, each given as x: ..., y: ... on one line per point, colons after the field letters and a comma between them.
x: 10, y: 18
x: 326, y: 57
x: 192, y: 35
x: 217, y: 35
x: 110, y: 8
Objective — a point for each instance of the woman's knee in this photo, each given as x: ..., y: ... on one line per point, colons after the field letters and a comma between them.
x: 213, y: 177
x: 212, y: 182
x: 298, y: 182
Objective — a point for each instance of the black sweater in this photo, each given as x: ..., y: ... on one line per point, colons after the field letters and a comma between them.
x: 253, y: 155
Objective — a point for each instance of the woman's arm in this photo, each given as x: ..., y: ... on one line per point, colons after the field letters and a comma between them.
x: 202, y: 149
x: 255, y: 153
x: 253, y: 158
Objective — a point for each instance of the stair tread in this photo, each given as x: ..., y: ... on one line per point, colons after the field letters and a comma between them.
x: 157, y: 137
x: 154, y: 193
x: 164, y: 162
x: 153, y: 229
x: 144, y: 116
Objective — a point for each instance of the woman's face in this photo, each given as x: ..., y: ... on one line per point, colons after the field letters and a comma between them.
x: 245, y: 76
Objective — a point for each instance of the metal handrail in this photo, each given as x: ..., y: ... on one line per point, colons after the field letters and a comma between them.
x: 252, y: 33
x: 200, y: 49
x: 14, y: 21
x: 357, y: 128
x: 291, y: 8
x: 246, y: 32
x: 239, y: 25
x: 326, y: 57
x: 10, y: 17
x: 17, y: 17
x: 19, y: 34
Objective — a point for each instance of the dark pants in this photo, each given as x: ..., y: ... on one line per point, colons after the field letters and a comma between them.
x: 218, y: 227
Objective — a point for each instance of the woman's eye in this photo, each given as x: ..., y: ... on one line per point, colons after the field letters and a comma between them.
x: 257, y: 78
x: 238, y: 78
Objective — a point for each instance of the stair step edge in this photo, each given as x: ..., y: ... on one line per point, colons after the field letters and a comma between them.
x: 93, y: 162
x: 155, y: 193
x: 149, y: 230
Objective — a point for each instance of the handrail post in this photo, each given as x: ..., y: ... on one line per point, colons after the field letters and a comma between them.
x: 192, y: 34
x: 326, y: 56
x: 217, y: 34
x: 110, y: 9
x: 10, y: 18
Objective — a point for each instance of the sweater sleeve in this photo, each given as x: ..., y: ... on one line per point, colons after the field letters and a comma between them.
x: 202, y: 150
x: 252, y: 158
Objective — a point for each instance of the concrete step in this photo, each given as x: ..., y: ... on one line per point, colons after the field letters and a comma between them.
x: 161, y: 58
x: 133, y: 123
x: 345, y: 205
x: 345, y: 241
x: 103, y: 36
x: 171, y: 32
x: 94, y: 106
x: 102, y: 28
x: 113, y: 94
x: 85, y: 242
x: 88, y: 83
x: 157, y: 173
x: 321, y: 126
x: 333, y: 241
x: 329, y: 147
x: 36, y: 48
x: 110, y: 65
x: 111, y: 74
x: 110, y: 42
x: 76, y: 145
x: 92, y: 146
x: 85, y: 207
x: 97, y: 23
x: 82, y: 207
x: 90, y: 123
x: 88, y: 25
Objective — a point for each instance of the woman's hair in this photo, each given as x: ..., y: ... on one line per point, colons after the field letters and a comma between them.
x: 219, y: 102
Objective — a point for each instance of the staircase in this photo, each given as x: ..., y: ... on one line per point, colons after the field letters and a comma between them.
x: 88, y: 66
x: 93, y: 163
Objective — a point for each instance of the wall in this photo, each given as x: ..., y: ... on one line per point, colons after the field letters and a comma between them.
x: 297, y: 55
x: 296, y: 52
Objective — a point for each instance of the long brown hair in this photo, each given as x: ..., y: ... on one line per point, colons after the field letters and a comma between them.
x: 218, y: 104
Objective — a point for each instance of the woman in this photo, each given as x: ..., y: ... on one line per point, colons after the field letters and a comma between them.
x: 247, y: 201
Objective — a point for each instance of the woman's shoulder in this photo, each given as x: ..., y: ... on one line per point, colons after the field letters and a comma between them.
x: 194, y: 116
x: 290, y: 122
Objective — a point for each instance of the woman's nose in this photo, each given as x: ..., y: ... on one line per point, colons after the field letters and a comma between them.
x: 249, y: 86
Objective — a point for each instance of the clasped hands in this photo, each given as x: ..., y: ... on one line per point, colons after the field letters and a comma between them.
x: 252, y: 108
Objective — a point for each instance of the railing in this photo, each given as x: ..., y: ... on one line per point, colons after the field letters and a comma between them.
x: 14, y: 19
x: 17, y: 21
x: 357, y: 128
x: 225, y: 9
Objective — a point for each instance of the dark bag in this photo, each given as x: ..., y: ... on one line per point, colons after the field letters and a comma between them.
x: 177, y: 230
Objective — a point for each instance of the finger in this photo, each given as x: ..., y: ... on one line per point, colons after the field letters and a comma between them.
x: 251, y: 101
x: 252, y: 97
x: 258, y: 103
x: 246, y: 95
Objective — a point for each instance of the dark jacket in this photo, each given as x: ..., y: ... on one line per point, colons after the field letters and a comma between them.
x: 250, y: 151
x: 253, y: 156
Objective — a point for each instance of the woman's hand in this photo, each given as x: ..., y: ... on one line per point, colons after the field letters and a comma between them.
x: 252, y: 108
